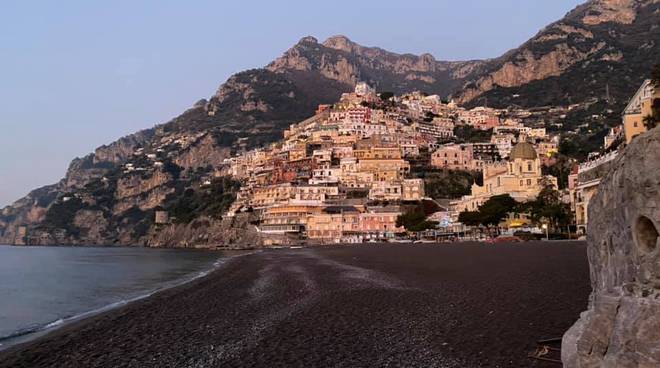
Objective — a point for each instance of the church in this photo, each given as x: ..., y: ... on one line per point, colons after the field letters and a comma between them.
x: 520, y: 177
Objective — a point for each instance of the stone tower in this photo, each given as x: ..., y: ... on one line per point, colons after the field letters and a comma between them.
x: 621, y: 328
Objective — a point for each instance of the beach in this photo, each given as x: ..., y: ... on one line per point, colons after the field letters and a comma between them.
x: 377, y: 305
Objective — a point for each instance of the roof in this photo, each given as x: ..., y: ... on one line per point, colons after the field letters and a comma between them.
x: 523, y: 150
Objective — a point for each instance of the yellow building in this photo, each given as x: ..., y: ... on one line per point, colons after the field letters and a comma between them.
x: 520, y: 177
x: 640, y: 106
x: 385, y: 169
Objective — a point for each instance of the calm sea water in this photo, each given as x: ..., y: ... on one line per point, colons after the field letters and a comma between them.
x: 45, y: 287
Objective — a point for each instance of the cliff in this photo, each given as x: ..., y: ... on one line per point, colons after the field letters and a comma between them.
x: 591, y: 44
x: 621, y: 328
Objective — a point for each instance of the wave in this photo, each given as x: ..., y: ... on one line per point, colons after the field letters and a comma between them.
x: 38, y: 330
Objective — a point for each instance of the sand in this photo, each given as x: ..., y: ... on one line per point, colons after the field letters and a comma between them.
x: 458, y: 305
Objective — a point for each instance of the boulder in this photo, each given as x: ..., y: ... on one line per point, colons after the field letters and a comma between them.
x: 621, y: 327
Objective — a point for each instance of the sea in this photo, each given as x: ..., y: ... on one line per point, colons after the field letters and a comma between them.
x: 43, y: 288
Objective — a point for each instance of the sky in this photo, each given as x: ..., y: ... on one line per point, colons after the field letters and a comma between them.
x: 77, y: 74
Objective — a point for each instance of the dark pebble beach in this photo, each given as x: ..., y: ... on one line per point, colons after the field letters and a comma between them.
x: 380, y: 305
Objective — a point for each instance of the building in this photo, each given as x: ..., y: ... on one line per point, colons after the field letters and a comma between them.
x: 161, y: 217
x: 453, y: 157
x: 289, y: 218
x: 587, y: 180
x: 520, y: 177
x: 412, y: 189
x: 503, y: 142
x: 487, y: 152
x: 363, y: 89
x: 433, y: 130
x: 639, y: 107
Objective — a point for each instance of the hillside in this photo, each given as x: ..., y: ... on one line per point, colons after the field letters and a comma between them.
x: 600, y: 45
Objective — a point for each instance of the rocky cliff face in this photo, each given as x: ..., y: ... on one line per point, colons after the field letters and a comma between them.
x: 345, y: 62
x: 596, y: 40
x: 621, y: 328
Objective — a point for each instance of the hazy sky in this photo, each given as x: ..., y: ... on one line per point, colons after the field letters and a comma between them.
x: 77, y: 74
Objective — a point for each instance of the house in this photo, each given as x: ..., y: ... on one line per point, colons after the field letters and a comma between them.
x: 453, y: 157
x: 640, y: 106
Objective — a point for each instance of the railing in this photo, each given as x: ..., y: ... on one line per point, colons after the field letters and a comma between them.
x: 586, y: 166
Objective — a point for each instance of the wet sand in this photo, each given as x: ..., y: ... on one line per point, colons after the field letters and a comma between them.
x: 459, y: 305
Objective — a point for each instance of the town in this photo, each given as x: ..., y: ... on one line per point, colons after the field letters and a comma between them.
x: 358, y: 171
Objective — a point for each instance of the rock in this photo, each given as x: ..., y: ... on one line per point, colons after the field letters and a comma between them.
x: 621, y: 328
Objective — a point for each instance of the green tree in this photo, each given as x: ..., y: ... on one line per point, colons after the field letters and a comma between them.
x: 548, y: 207
x: 470, y: 218
x: 496, y: 208
x: 491, y: 213
x: 415, y: 220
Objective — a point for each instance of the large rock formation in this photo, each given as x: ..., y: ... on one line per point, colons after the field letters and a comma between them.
x: 591, y: 43
x: 621, y: 328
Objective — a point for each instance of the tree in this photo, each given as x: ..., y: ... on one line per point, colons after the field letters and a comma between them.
x: 415, y: 220
x: 496, y: 208
x: 470, y: 218
x: 548, y: 207
x: 491, y: 213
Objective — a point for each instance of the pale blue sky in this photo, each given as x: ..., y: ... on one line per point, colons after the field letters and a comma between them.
x: 78, y: 74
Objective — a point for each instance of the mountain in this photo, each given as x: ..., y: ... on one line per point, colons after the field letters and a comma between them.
x: 110, y: 196
x: 600, y: 45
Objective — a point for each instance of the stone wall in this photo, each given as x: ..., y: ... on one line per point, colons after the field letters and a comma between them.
x: 621, y: 328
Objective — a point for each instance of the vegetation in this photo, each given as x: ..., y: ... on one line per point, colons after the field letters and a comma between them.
x: 468, y: 134
x: 491, y: 213
x: 441, y: 184
x: 415, y: 220
x: 561, y: 169
x: 60, y: 215
x: 652, y: 120
x: 548, y: 208
x: 386, y: 95
x: 212, y: 200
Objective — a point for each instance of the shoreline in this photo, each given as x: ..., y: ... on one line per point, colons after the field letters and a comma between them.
x: 244, y: 290
x: 29, y: 334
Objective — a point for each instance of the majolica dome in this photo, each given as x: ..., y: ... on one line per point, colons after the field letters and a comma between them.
x: 523, y: 150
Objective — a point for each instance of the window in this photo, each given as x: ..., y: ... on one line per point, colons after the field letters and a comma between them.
x: 529, y: 166
x: 529, y: 182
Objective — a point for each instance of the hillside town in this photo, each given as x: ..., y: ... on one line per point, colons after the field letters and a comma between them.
x: 354, y: 172
x: 372, y: 167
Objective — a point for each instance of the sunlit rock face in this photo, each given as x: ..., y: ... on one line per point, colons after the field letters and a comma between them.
x: 621, y: 328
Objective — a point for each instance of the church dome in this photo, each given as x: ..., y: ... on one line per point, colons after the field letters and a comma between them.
x: 523, y: 150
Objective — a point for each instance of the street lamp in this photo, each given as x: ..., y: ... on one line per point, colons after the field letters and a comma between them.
x: 545, y: 227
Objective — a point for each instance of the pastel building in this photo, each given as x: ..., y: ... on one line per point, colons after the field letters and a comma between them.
x: 639, y: 107
x: 453, y: 157
x: 520, y: 177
